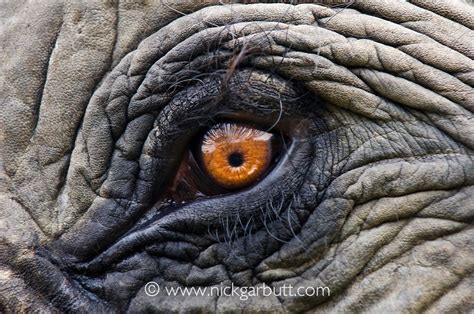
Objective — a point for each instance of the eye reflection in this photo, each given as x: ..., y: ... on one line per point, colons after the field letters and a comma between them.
x: 234, y: 155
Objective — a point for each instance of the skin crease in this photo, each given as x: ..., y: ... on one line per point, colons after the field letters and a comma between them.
x: 372, y: 196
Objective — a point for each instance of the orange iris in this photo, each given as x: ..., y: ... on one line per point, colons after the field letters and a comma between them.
x: 235, y: 155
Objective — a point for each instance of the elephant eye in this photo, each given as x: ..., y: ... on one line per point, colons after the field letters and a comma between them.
x: 235, y: 156
x: 225, y: 158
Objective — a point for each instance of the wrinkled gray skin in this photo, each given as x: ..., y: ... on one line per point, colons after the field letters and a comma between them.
x: 100, y: 99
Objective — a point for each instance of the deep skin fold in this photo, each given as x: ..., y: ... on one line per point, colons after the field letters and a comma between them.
x: 370, y: 148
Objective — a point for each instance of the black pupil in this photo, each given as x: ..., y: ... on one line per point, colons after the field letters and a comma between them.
x: 236, y: 159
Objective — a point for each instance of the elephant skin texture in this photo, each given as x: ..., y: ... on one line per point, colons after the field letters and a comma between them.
x: 368, y: 207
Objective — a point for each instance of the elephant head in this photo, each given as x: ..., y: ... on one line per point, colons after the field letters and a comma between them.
x: 249, y: 157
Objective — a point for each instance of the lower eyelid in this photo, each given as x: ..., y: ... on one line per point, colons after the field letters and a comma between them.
x: 208, y: 213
